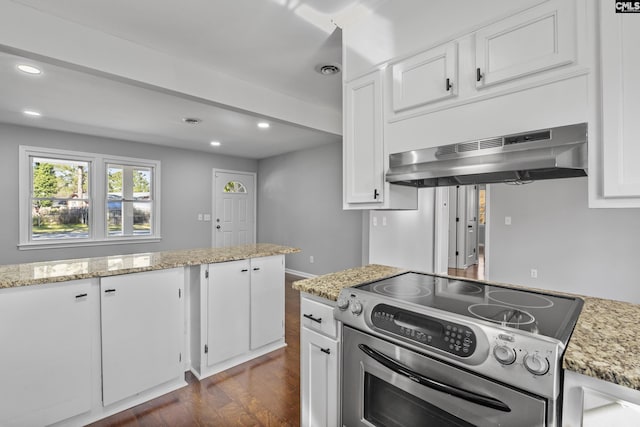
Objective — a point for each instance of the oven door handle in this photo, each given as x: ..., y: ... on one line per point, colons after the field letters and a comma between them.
x: 433, y: 384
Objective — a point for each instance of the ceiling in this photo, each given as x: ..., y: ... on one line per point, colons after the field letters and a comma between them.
x: 275, y: 45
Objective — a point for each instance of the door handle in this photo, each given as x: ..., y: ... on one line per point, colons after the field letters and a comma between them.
x: 218, y: 226
x: 416, y: 377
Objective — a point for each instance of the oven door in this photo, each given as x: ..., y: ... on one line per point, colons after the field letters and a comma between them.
x: 384, y: 384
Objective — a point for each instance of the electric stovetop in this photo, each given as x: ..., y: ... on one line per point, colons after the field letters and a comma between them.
x: 535, y: 312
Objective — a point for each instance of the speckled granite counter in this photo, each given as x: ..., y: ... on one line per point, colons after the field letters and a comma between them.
x: 73, y: 269
x: 329, y: 285
x: 604, y: 344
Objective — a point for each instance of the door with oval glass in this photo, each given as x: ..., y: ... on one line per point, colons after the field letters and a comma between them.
x: 234, y: 202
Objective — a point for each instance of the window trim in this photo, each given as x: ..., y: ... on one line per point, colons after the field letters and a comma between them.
x: 98, y: 232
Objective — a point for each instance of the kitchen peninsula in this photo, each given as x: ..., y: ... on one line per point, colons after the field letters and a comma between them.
x: 600, y: 358
x: 87, y: 338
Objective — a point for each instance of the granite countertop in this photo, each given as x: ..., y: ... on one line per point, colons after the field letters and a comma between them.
x: 603, y: 345
x: 73, y: 269
x: 329, y: 285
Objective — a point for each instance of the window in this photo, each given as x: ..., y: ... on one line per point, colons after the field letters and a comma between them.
x: 70, y: 198
x: 234, y: 187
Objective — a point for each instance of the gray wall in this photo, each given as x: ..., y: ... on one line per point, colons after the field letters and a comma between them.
x: 300, y: 204
x: 404, y: 239
x: 185, y: 184
x: 574, y: 248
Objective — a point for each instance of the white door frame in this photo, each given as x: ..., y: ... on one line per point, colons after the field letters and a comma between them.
x: 253, y: 176
x: 441, y: 232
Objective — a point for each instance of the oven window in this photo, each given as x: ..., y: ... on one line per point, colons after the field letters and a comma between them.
x: 388, y: 406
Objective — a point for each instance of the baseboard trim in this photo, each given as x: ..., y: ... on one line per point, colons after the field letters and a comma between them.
x: 300, y: 273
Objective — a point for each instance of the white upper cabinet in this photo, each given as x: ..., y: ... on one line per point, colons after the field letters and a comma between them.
x: 425, y: 78
x: 363, y: 149
x: 615, y: 177
x: 535, y: 40
x: 364, y: 156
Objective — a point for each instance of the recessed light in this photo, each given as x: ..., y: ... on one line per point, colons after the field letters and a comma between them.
x: 31, y: 113
x: 263, y: 125
x: 215, y: 143
x: 328, y: 69
x: 29, y: 69
x: 191, y: 120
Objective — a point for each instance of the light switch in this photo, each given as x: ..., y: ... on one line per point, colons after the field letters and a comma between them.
x: 384, y: 221
x: 507, y: 220
x: 199, y: 217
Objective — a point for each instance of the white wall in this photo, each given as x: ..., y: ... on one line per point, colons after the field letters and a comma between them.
x: 404, y: 239
x: 575, y: 249
x: 300, y: 204
x: 186, y: 191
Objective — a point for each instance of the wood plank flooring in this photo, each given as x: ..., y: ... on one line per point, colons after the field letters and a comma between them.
x: 262, y: 392
x: 475, y: 271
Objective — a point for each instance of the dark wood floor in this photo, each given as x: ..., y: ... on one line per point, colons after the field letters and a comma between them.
x: 262, y: 392
x: 475, y: 271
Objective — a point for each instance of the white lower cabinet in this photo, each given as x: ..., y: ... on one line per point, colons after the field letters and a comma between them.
x: 47, y: 355
x: 237, y: 313
x: 267, y: 300
x: 591, y: 402
x: 142, y: 321
x: 319, y: 364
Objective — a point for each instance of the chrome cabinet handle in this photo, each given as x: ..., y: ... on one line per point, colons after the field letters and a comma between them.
x: 400, y: 369
x: 310, y: 317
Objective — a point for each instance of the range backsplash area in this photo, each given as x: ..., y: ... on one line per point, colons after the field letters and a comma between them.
x: 573, y: 248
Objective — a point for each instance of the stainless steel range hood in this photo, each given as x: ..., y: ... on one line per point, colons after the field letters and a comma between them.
x: 559, y: 152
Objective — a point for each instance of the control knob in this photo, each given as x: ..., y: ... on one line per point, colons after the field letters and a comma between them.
x: 536, y: 364
x: 342, y: 303
x: 356, y: 308
x: 504, y: 354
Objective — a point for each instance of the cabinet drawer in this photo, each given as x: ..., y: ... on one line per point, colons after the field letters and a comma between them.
x: 318, y: 317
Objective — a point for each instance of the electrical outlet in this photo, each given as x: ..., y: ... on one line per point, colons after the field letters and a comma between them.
x: 375, y: 221
x: 207, y: 217
x: 384, y: 221
x: 534, y: 273
x: 311, y: 260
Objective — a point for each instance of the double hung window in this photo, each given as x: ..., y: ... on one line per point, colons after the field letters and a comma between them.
x: 70, y: 198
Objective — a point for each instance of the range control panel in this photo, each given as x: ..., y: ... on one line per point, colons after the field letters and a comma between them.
x: 426, y: 330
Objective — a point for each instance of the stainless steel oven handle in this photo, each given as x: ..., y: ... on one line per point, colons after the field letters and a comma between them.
x: 398, y: 368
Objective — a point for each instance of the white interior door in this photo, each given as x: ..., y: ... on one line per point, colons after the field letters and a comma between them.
x: 234, y: 201
x: 471, y: 221
x: 463, y: 223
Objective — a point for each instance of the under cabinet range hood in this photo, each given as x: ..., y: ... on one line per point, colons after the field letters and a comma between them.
x: 559, y: 152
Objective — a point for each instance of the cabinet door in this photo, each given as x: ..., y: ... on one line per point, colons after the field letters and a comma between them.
x: 142, y: 327
x: 267, y: 300
x: 228, y: 310
x: 620, y: 67
x: 424, y: 78
x: 319, y: 380
x: 45, y: 334
x: 535, y: 40
x: 363, y: 149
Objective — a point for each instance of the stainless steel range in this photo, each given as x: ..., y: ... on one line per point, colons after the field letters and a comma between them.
x: 421, y: 350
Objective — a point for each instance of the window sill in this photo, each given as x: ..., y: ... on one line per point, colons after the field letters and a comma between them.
x: 85, y: 243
